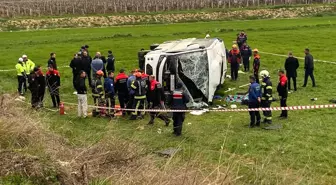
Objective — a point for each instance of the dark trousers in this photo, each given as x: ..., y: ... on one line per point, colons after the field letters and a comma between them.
x: 309, y: 72
x: 98, y: 102
x: 88, y: 74
x: 160, y: 115
x: 234, y: 71
x: 178, y: 118
x: 34, y: 98
x: 246, y: 63
x: 130, y: 103
x: 123, y: 100
x: 289, y: 82
x: 21, y: 84
x: 256, y: 76
x: 54, y: 94
x: 254, y: 115
x: 137, y: 105
x: 110, y: 104
x: 74, y: 78
x: 41, y: 95
x: 267, y: 114
x: 283, y: 103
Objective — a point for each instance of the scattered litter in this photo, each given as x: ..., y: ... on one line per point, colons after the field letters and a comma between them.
x: 245, y: 145
x: 168, y: 152
x: 313, y: 99
x: 159, y: 131
x: 141, y: 127
x: 228, y: 76
x: 200, y: 105
x: 199, y: 112
x: 273, y: 127
x: 233, y: 106
x: 239, y: 98
x: 188, y: 123
x: 20, y: 98
x: 241, y: 72
x: 218, y: 107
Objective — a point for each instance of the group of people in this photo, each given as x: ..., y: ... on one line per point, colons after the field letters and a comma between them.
x: 135, y: 92
x: 38, y: 81
x: 260, y: 94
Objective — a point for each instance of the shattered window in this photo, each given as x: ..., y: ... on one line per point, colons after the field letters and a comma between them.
x: 195, y: 67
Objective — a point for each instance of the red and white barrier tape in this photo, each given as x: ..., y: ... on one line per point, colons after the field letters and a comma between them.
x: 290, y: 108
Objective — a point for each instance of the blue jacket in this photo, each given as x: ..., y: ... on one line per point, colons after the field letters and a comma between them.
x: 254, y: 92
x: 129, y: 83
x: 109, y: 86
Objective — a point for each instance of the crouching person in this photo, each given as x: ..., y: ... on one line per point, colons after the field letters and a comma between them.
x: 109, y: 94
x: 97, y: 93
x: 81, y: 94
x: 156, y: 99
x: 179, y: 102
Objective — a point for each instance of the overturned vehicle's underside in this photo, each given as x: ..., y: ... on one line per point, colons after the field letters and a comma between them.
x: 200, y: 64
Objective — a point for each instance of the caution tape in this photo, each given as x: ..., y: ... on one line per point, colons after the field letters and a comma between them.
x: 290, y: 108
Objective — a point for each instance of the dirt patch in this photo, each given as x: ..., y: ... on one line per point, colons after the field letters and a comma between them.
x: 103, y: 21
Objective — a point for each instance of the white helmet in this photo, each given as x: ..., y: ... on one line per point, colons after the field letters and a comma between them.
x: 20, y: 59
x: 264, y: 74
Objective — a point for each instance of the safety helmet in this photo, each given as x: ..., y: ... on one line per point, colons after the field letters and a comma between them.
x: 100, y: 73
x: 264, y: 74
x: 20, y: 59
x: 255, y: 50
x: 138, y: 75
x: 234, y: 46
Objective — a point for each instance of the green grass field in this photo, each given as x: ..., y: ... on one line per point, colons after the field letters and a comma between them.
x: 302, y: 152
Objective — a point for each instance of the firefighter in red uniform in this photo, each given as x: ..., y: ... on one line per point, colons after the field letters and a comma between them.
x: 283, y: 92
x: 180, y: 100
x: 256, y: 64
x: 156, y: 99
x: 234, y: 60
x: 121, y: 89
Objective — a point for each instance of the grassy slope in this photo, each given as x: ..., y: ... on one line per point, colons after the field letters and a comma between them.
x: 301, y: 152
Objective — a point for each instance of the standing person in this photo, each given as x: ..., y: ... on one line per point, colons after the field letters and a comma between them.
x: 139, y: 87
x: 97, y: 64
x: 256, y: 64
x: 54, y: 83
x: 241, y: 39
x: 86, y: 65
x: 97, y: 92
x: 21, y: 76
x: 234, y: 60
x: 254, y: 102
x: 85, y: 48
x: 266, y: 98
x: 52, y: 61
x: 131, y: 92
x: 121, y: 89
x: 75, y: 65
x: 246, y: 54
x: 309, y: 68
x: 291, y: 65
x: 42, y: 86
x: 109, y: 94
x: 30, y: 65
x: 34, y: 87
x: 283, y: 92
x: 156, y: 99
x: 81, y: 94
x: 180, y: 100
x: 110, y: 62
x: 141, y: 59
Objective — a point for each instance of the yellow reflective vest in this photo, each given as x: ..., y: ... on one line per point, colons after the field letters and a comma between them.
x: 29, y: 66
x: 20, y: 69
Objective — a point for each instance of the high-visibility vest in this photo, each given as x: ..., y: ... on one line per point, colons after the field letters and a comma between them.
x: 20, y: 68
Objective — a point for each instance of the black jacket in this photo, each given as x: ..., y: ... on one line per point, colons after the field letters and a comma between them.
x: 179, y: 100
x: 309, y: 62
x: 120, y: 85
x: 33, y: 82
x: 75, y: 64
x: 80, y: 85
x: 110, y: 63
x: 86, y: 64
x: 52, y: 61
x: 156, y: 93
x: 291, y: 65
x: 53, y: 79
x: 139, y: 86
x: 245, y: 52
